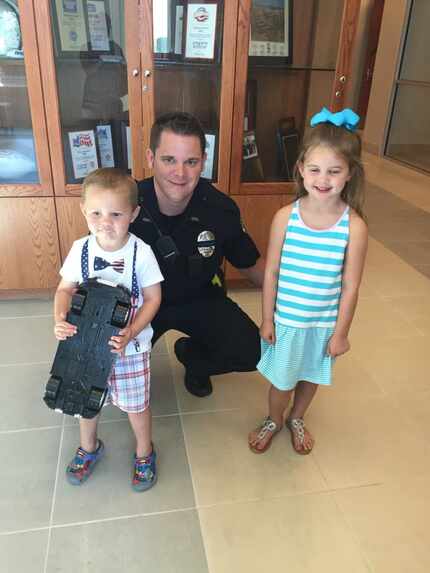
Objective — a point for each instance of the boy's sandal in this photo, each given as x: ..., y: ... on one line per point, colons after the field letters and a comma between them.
x: 298, y: 431
x: 268, y: 429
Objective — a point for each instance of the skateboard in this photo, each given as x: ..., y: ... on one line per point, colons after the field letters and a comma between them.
x: 83, y: 362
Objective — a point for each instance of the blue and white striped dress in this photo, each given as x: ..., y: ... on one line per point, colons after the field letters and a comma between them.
x: 307, y: 303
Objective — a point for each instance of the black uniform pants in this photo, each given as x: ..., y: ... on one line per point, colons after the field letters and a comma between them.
x: 222, y: 337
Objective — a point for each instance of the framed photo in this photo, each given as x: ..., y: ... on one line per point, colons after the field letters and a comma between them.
x: 209, y: 172
x: 249, y: 145
x: 271, y: 32
x: 252, y: 169
x: 201, y: 31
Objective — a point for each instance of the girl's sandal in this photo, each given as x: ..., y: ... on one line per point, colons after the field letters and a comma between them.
x: 298, y: 432
x: 268, y: 429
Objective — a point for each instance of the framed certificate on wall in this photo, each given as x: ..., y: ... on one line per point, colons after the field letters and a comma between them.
x: 200, y: 31
x: 71, y: 29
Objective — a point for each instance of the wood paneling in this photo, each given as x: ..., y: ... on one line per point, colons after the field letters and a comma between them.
x: 71, y: 222
x: 30, y: 257
x: 257, y: 214
x: 344, y: 57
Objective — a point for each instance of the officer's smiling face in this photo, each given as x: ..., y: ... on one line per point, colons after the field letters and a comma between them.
x: 177, y: 164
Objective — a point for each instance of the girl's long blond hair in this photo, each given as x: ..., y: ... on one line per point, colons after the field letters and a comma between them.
x: 345, y: 143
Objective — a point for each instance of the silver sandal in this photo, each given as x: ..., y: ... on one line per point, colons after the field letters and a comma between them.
x: 268, y: 426
x: 297, y: 429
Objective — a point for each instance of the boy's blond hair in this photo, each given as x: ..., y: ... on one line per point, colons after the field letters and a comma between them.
x: 113, y: 179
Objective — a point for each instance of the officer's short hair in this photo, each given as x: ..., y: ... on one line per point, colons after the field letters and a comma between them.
x: 113, y: 179
x: 180, y: 123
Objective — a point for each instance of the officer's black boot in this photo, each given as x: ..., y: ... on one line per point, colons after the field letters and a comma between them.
x: 199, y: 386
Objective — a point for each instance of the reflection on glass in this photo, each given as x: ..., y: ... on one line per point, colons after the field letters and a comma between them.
x: 409, y: 135
x: 92, y: 85
x: 285, y: 88
x: 415, y: 59
x: 17, y: 155
x: 189, y: 83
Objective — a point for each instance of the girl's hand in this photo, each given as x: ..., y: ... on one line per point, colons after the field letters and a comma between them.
x: 337, y: 345
x: 267, y: 331
x: 120, y: 341
x: 63, y: 329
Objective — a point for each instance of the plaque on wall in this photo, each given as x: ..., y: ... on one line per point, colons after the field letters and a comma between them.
x: 200, y: 31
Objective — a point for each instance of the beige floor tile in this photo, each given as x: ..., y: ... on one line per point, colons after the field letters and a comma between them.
x: 367, y: 441
x: 245, y: 297
x: 165, y: 543
x: 224, y: 469
x: 398, y: 364
x: 414, y: 309
x: 108, y: 492
x: 391, y: 523
x: 352, y: 380
x: 399, y: 280
x: 230, y: 391
x: 14, y: 308
x: 376, y: 319
x: 27, y: 340
x: 405, y: 183
x: 22, y: 552
x: 296, y: 534
x: 23, y: 407
x: 29, y: 464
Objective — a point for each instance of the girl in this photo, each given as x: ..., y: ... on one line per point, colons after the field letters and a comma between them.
x: 314, y: 265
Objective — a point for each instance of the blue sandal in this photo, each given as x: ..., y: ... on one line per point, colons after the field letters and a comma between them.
x: 145, y: 472
x: 82, y: 465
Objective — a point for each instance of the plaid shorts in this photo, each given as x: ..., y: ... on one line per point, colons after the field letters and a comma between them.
x: 129, y: 383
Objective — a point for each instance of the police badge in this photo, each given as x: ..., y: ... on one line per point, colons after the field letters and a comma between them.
x: 206, y: 243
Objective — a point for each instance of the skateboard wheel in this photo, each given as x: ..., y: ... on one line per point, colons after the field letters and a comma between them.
x: 78, y: 301
x: 52, y: 388
x: 120, y: 315
x: 96, y: 399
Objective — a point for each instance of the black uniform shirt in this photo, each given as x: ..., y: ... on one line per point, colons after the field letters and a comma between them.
x: 209, y: 230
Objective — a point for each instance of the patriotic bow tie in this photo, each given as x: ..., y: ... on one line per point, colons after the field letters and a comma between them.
x: 345, y: 118
x: 100, y: 264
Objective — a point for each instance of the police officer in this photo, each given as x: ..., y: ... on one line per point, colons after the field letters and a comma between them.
x: 191, y: 227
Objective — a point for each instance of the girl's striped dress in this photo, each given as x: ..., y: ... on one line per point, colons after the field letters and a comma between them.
x: 307, y: 303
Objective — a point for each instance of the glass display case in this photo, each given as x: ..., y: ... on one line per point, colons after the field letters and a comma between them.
x: 18, y: 163
x: 83, y: 80
x: 293, y: 59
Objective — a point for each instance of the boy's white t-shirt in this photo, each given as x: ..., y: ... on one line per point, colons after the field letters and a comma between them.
x: 147, y: 272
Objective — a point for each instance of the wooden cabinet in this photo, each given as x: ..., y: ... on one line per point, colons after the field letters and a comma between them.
x: 108, y: 89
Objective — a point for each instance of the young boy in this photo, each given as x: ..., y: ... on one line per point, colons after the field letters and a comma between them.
x: 109, y: 204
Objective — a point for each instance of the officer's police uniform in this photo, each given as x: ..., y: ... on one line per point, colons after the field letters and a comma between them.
x: 223, y: 337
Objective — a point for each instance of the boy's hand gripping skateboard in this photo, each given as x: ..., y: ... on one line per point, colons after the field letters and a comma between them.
x: 83, y: 362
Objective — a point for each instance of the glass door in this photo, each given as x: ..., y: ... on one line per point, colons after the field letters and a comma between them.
x: 188, y: 65
x: 293, y: 59
x: 24, y: 161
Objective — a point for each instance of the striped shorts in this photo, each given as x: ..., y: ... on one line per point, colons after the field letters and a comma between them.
x: 129, y: 383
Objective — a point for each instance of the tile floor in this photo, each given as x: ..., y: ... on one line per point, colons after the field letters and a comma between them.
x: 358, y: 503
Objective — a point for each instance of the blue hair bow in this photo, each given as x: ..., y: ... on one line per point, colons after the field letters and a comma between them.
x: 345, y: 118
